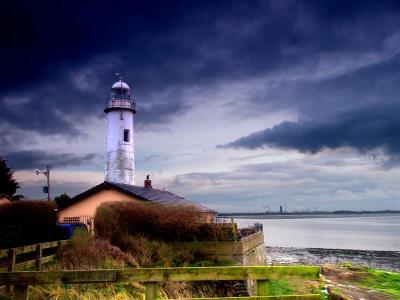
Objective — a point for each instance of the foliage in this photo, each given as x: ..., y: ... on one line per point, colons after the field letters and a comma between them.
x: 279, y: 287
x: 119, y: 291
x: 152, y: 253
x: 62, y: 199
x: 387, y: 282
x: 168, y: 223
x: 8, y: 185
x: 85, y: 252
x: 115, y: 291
x: 145, y: 230
x: 27, y: 222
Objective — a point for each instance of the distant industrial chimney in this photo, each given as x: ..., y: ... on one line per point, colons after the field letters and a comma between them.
x: 147, y: 182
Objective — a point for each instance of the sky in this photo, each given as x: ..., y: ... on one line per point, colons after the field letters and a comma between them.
x: 243, y: 106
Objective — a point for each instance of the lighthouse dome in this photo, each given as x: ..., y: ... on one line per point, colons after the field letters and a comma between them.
x: 120, y: 85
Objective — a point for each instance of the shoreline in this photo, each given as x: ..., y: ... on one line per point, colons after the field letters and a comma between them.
x: 385, y: 260
x: 306, y: 216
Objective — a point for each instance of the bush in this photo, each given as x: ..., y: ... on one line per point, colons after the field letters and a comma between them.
x: 151, y: 253
x: 173, y: 223
x: 149, y: 231
x: 27, y: 222
x: 86, y: 252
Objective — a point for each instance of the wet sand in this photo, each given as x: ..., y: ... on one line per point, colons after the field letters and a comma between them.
x: 385, y: 260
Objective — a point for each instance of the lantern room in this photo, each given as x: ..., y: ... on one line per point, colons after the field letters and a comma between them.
x: 120, y: 98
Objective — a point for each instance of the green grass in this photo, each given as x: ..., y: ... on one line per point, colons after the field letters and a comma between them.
x: 280, y: 287
x: 387, y: 282
x: 115, y: 291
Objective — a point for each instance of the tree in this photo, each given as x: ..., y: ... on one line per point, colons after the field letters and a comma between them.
x: 8, y: 185
x: 62, y: 199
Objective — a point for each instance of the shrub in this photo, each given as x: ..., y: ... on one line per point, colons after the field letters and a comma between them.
x: 168, y: 223
x: 151, y: 253
x: 151, y: 232
x: 27, y: 222
x: 86, y: 252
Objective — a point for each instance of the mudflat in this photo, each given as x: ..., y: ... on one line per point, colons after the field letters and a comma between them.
x: 384, y: 260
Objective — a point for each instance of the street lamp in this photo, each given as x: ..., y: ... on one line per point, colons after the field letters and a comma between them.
x: 46, y: 189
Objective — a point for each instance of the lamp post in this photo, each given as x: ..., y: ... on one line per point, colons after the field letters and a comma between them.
x: 46, y: 173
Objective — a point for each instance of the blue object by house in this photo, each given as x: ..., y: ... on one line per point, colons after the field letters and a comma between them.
x: 66, y: 230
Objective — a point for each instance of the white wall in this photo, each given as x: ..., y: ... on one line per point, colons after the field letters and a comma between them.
x: 120, y: 166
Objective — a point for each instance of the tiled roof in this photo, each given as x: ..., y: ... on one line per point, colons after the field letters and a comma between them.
x: 140, y: 192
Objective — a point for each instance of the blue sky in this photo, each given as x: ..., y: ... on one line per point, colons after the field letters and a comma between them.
x: 241, y: 104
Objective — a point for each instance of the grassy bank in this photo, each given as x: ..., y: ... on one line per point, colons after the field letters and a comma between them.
x: 352, y: 281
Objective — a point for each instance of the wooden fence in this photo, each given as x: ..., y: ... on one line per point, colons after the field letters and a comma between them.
x: 150, y: 277
x: 25, y: 257
x: 36, y: 250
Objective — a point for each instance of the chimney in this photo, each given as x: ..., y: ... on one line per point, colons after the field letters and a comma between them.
x: 147, y: 182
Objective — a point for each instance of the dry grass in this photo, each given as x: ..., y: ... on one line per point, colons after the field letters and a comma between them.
x: 145, y: 231
x: 168, y: 223
x: 88, y: 292
x: 85, y: 252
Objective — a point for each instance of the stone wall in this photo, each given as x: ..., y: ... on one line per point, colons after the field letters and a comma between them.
x: 250, y: 250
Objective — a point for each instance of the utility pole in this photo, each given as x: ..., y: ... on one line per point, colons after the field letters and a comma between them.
x: 46, y: 189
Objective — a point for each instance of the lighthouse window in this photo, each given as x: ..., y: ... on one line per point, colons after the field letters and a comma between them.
x: 120, y: 94
x: 126, y: 135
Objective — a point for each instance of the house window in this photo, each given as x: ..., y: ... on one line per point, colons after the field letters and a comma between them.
x: 126, y: 135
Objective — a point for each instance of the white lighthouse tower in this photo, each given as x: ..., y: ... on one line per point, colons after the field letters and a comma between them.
x: 120, y: 110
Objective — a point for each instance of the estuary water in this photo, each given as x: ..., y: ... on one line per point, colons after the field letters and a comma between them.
x: 367, y: 232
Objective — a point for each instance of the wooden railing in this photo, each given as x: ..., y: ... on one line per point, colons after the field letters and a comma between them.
x: 150, y: 277
x: 25, y: 257
x: 15, y: 264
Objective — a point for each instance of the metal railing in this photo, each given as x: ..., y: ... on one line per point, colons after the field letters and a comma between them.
x: 111, y: 104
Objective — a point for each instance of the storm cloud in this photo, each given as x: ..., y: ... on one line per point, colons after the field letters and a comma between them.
x: 258, y: 77
x: 356, y: 110
x: 28, y: 160
x: 362, y: 130
x: 63, y: 62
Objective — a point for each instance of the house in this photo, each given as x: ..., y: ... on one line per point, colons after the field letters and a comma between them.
x: 4, y: 199
x: 82, y: 207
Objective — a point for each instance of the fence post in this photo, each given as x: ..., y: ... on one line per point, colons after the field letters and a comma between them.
x: 39, y: 257
x: 11, y: 259
x: 59, y: 249
x: 151, y: 290
x: 234, y: 229
x: 262, y: 287
x: 21, y: 292
x: 11, y: 264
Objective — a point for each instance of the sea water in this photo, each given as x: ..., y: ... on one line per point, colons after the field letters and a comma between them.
x: 367, y: 232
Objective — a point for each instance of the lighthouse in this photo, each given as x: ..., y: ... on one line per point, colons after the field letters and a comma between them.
x: 120, y: 109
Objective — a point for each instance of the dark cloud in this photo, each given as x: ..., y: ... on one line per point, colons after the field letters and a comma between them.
x: 58, y: 61
x: 362, y: 130
x: 165, y: 47
x: 33, y: 190
x: 357, y: 109
x: 28, y: 160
